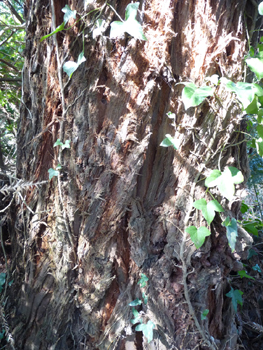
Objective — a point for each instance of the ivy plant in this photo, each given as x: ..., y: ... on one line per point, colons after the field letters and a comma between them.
x: 130, y: 25
x: 204, y: 314
x: 208, y: 209
x: 193, y: 95
x: 68, y: 14
x: 198, y: 235
x: 70, y: 67
x: 236, y: 297
x: 146, y: 328
x: 231, y: 231
x: 225, y: 181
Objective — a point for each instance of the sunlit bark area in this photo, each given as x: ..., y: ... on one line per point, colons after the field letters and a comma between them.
x: 120, y: 205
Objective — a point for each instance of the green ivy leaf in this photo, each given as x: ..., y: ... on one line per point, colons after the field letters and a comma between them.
x: 251, y: 253
x: 260, y: 9
x: 2, y: 334
x: 130, y: 25
x: 68, y: 14
x: 52, y: 172
x: 245, y: 91
x: 143, y: 280
x: 81, y: 58
x: 169, y: 141
x: 99, y: 30
x: 70, y: 67
x: 259, y: 146
x: 225, y: 181
x: 198, y: 235
x: 243, y: 274
x: 231, y: 231
x: 58, y: 143
x: 66, y: 144
x: 145, y: 298
x: 236, y: 296
x: 208, y: 210
x: 135, y: 302
x: 58, y: 29
x: 256, y: 268
x: 137, y: 317
x: 256, y: 66
x: 117, y: 29
x: 192, y: 95
x: 131, y: 11
x: 2, y: 280
x: 147, y: 330
x: 211, y: 180
x: 204, y: 314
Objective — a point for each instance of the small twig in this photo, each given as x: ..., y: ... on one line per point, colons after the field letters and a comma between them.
x: 116, y: 13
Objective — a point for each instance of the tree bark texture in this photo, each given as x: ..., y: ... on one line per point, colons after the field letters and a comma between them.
x: 120, y: 207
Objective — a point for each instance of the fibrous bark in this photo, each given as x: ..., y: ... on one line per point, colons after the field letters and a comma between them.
x: 122, y: 202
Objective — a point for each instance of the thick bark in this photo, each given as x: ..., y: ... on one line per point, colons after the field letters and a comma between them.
x: 122, y: 202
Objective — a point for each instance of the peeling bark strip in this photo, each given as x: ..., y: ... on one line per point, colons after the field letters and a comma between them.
x: 120, y: 207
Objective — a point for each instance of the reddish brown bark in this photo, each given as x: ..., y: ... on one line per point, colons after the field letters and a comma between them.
x: 76, y: 264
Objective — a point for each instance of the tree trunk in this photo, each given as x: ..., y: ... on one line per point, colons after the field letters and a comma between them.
x: 120, y: 205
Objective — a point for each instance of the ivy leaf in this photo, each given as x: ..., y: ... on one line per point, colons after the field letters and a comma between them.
x: 208, y: 210
x: 251, y: 253
x: 2, y: 280
x: 135, y: 302
x: 130, y: 25
x: 137, y: 317
x: 243, y: 273
x: 58, y: 143
x: 99, y: 30
x: 145, y: 298
x: 70, y: 67
x: 143, y: 280
x: 81, y: 58
x: 198, y: 235
x: 225, y: 181
x: 66, y: 144
x: 131, y: 11
x: 147, y: 330
x: 260, y: 8
x: 52, y: 172
x: 231, y: 231
x: 256, y: 268
x: 58, y: 29
x: 134, y: 28
x: 256, y: 66
x: 192, y: 95
x: 117, y: 29
x: 204, y: 314
x: 68, y: 14
x: 211, y: 180
x: 2, y: 334
x: 259, y: 146
x: 236, y: 296
x: 245, y: 91
x: 169, y: 141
